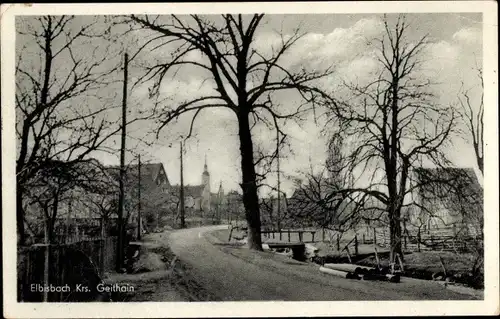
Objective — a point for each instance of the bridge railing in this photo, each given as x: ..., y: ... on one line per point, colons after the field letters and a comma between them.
x: 291, y: 235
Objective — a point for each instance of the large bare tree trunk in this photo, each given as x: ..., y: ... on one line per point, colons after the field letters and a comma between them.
x: 395, y: 233
x: 249, y: 186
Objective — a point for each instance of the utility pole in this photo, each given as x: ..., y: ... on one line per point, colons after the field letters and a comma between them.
x: 139, y: 222
x: 279, y: 190
x: 121, y: 199
x: 181, y: 203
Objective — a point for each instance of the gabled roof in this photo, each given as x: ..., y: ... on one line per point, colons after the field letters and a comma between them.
x: 149, y: 173
x: 152, y: 170
x: 194, y: 191
x: 456, y: 188
x: 152, y: 194
x: 445, y: 179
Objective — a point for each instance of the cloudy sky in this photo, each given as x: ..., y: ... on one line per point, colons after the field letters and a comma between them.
x: 330, y: 39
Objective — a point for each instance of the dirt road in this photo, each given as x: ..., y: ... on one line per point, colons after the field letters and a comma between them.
x: 236, y: 274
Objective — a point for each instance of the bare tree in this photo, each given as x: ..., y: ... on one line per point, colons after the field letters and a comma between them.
x: 65, y: 94
x: 472, y: 113
x: 318, y: 199
x: 392, y: 124
x: 59, y: 115
x: 458, y: 191
x: 59, y: 182
x: 100, y: 198
x: 267, y: 164
x: 245, y: 81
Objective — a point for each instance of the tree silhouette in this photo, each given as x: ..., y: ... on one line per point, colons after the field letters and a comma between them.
x: 243, y: 79
x: 392, y: 124
x: 472, y: 114
x: 66, y: 76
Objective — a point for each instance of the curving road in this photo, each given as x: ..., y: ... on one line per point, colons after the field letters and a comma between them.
x: 236, y: 274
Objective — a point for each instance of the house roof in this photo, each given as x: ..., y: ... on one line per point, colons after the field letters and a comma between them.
x: 149, y: 172
x: 445, y: 179
x: 456, y: 188
x: 194, y: 191
x: 152, y: 193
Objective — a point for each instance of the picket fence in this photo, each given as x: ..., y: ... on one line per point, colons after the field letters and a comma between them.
x: 440, y: 239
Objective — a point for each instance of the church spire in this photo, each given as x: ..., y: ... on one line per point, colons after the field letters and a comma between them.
x: 205, y: 167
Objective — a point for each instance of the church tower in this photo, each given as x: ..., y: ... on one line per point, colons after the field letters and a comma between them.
x: 205, y: 181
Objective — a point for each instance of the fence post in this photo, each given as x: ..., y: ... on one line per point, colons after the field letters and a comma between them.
x: 338, y: 242
x: 348, y: 254
x: 418, y: 240
x: 443, y: 266
x: 374, y: 236
x: 406, y: 241
x: 313, y: 233
x: 280, y: 234
x: 300, y: 236
x: 356, y: 244
x: 364, y: 240
x: 101, y: 255
x: 61, y: 271
x: 376, y: 257
x: 289, y: 235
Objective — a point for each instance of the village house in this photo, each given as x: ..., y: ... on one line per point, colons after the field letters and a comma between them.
x: 447, y: 198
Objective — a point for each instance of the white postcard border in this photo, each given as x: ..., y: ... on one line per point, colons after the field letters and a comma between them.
x: 13, y: 309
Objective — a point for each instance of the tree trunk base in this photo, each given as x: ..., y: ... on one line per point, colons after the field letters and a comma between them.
x: 254, y: 241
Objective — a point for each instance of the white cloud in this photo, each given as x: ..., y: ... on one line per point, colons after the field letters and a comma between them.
x: 446, y: 61
x: 360, y: 70
x: 345, y: 42
x: 440, y: 60
x: 195, y: 56
x: 319, y: 49
x: 186, y: 90
x: 468, y: 36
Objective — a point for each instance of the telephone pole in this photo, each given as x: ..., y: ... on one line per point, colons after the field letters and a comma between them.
x: 279, y: 184
x: 139, y: 222
x: 181, y: 202
x: 121, y: 198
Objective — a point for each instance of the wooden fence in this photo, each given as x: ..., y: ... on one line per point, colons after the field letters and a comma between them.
x: 82, y: 262
x: 443, y: 239
x: 293, y: 235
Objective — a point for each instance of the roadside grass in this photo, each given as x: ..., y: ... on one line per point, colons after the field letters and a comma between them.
x: 420, y: 265
x: 160, y: 275
x: 426, y: 265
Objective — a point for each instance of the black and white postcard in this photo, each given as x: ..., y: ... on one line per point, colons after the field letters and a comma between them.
x: 197, y: 160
